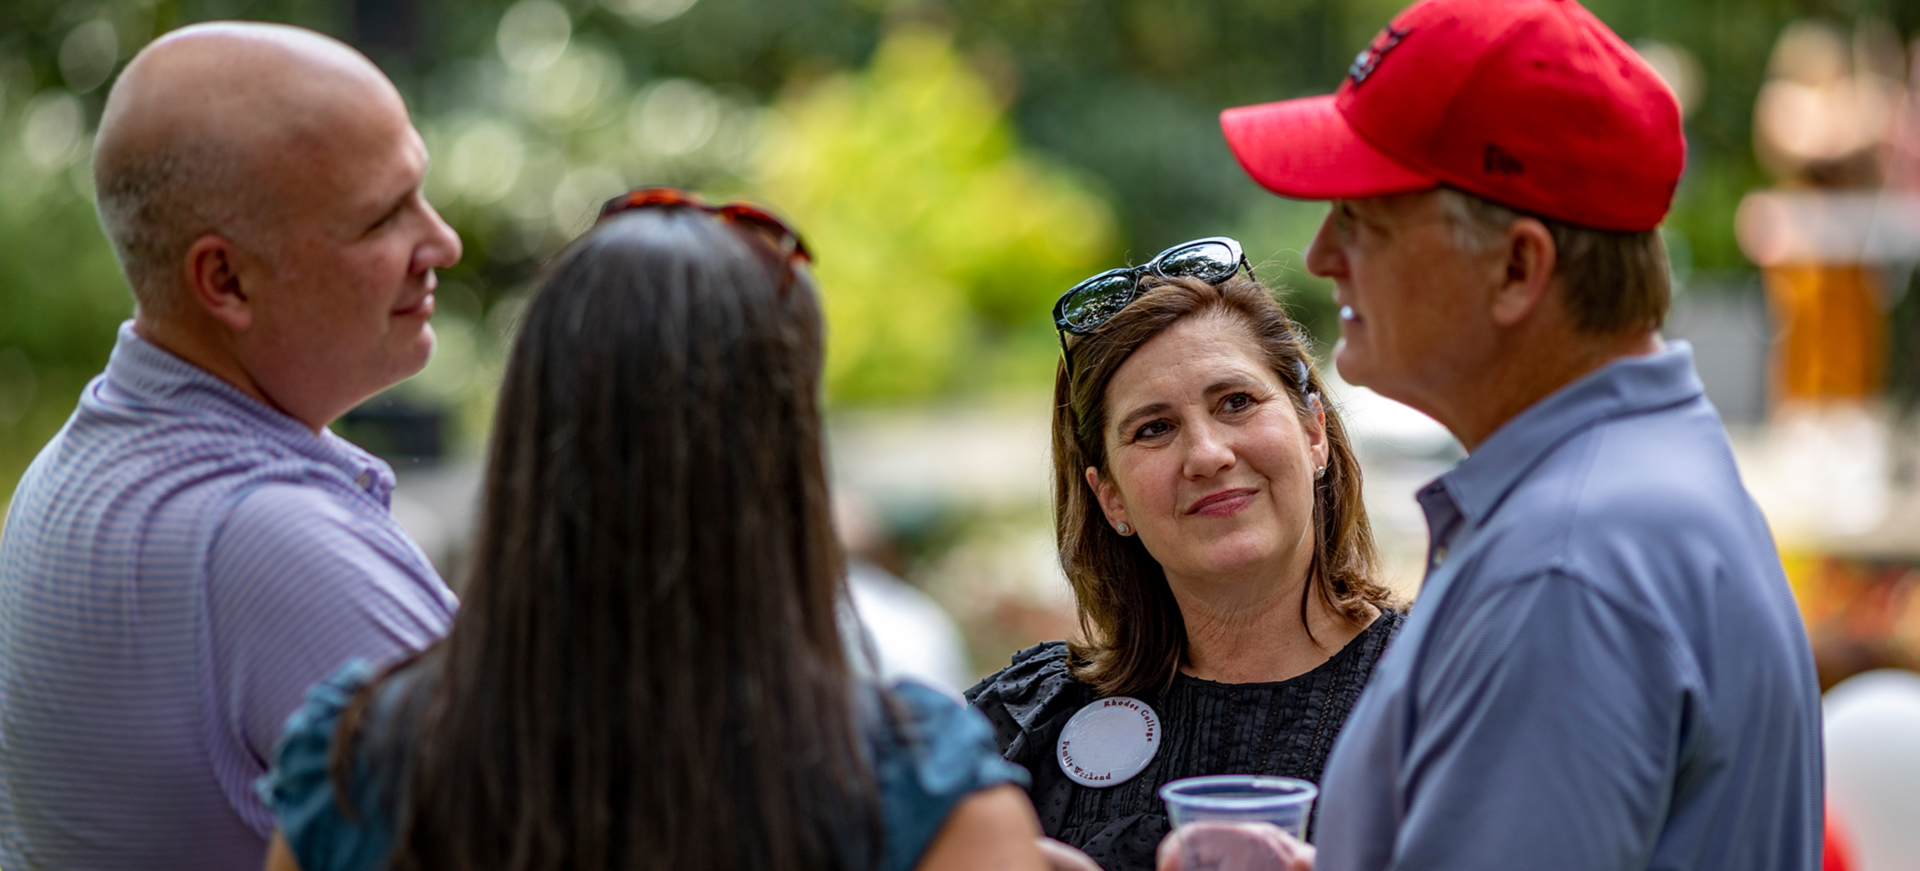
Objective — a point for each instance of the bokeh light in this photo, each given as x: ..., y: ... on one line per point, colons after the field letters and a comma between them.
x: 648, y: 12
x: 673, y: 117
x: 534, y: 34
x: 88, y: 54
x: 55, y: 122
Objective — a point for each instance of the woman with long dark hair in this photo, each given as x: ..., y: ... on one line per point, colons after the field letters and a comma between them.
x: 1207, y: 507
x: 646, y: 670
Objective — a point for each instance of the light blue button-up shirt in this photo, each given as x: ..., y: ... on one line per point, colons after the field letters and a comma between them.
x: 178, y: 566
x: 1605, y: 668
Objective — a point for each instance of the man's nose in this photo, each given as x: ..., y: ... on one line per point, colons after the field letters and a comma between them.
x: 442, y: 248
x: 1324, y: 257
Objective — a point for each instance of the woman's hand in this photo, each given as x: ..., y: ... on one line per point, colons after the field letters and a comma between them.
x: 1233, y: 847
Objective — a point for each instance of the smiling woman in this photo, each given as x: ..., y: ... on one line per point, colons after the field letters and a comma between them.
x: 1207, y: 507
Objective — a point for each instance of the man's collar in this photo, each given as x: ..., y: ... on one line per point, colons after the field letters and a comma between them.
x: 146, y: 374
x: 1629, y: 385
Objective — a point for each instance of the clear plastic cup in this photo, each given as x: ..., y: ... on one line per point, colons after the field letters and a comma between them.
x: 1212, y: 808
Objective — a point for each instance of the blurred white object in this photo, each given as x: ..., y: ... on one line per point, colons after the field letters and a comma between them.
x: 1679, y: 68
x: 1873, y: 767
x: 1835, y: 228
x: 1827, y: 98
x: 1830, y: 474
x: 1382, y: 426
x: 906, y: 631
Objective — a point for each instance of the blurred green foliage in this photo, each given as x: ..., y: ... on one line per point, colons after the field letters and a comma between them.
x: 60, y: 290
x: 955, y: 163
x: 978, y: 239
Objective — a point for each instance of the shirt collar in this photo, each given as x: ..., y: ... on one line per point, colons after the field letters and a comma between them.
x: 1629, y: 385
x: 146, y: 374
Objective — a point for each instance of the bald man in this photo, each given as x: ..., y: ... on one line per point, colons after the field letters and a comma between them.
x: 195, y: 548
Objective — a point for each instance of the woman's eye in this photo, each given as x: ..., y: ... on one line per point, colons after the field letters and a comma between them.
x: 1237, y: 402
x: 1152, y: 429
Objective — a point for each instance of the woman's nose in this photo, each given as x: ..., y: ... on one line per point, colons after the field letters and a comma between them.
x: 1208, y: 452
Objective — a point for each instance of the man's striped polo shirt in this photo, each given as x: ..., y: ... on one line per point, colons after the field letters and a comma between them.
x: 178, y: 565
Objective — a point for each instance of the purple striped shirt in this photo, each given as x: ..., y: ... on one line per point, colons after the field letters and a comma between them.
x: 178, y: 565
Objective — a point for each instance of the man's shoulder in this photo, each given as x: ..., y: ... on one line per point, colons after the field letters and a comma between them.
x: 107, y: 448
x: 1647, y: 513
x: 166, y: 477
x: 271, y: 501
x: 302, y: 527
x: 1667, y: 477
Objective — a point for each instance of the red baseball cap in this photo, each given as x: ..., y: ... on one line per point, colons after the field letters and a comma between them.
x: 1531, y: 103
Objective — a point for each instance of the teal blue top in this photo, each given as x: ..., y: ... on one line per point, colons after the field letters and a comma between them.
x: 926, y: 759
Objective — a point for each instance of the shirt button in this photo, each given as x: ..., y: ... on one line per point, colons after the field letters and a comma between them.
x: 362, y: 480
x: 1439, y: 555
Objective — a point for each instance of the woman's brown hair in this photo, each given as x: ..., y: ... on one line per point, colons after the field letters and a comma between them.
x: 646, y: 670
x: 1134, y: 639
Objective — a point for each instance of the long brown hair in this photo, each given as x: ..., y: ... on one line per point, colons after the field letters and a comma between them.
x: 1134, y: 640
x: 645, y: 671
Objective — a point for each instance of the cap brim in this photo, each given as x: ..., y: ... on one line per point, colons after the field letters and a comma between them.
x: 1305, y: 149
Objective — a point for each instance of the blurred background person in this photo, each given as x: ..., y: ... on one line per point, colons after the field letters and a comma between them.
x: 894, y: 629
x: 1209, y: 517
x: 647, y: 670
x: 196, y: 547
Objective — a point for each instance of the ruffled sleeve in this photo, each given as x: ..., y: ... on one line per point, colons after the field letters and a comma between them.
x: 1029, y: 701
x: 936, y: 754
x: 299, y: 790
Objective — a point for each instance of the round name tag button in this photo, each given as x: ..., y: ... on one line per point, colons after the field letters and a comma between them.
x: 1108, y: 742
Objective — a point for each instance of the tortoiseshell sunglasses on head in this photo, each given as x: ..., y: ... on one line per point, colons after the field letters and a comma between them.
x: 784, y: 239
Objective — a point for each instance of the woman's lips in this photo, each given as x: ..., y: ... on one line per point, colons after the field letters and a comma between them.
x: 1223, y: 503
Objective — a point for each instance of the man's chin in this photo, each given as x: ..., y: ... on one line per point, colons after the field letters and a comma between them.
x: 1350, y: 362
x: 419, y: 351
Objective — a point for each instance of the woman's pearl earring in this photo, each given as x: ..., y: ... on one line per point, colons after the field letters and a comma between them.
x: 1319, y: 473
x: 1123, y: 528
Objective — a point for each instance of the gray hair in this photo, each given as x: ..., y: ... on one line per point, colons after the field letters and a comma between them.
x: 1616, y: 281
x: 155, y: 205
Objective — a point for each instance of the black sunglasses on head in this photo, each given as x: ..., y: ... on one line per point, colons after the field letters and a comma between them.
x: 1087, y: 305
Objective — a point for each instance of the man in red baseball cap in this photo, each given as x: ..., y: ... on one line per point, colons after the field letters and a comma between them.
x: 1605, y: 669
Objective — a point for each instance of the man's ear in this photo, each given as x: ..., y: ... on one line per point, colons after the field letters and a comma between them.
x: 1108, y: 497
x: 213, y: 282
x: 1530, y: 262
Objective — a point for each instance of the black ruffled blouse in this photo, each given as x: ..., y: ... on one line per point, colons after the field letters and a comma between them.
x: 1283, y: 728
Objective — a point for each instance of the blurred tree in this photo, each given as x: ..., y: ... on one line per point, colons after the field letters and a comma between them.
x: 939, y: 242
x: 60, y: 290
